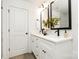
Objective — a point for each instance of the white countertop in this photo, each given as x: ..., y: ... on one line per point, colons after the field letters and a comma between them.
x: 52, y: 38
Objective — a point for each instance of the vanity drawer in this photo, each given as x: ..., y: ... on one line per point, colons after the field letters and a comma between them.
x: 46, y: 51
x: 46, y: 42
x: 38, y: 39
x: 34, y: 38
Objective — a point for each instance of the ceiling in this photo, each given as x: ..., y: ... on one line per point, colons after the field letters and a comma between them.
x: 39, y: 2
x: 62, y: 5
x: 36, y: 2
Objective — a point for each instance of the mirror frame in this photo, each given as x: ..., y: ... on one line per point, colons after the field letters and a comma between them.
x: 41, y: 17
x: 69, y: 11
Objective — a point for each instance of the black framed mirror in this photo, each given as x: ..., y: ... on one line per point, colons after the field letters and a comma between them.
x: 60, y: 14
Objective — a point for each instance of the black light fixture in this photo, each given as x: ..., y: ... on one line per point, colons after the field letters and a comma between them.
x: 42, y: 5
x: 52, y: 2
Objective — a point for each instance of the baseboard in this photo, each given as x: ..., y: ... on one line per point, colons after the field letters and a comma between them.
x: 34, y: 55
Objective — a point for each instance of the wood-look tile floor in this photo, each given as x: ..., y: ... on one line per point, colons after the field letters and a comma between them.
x: 24, y: 56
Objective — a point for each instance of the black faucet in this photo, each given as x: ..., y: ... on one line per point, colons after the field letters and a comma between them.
x: 43, y: 32
x: 58, y: 34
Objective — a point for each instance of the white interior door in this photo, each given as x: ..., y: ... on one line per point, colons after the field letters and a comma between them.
x: 18, y: 30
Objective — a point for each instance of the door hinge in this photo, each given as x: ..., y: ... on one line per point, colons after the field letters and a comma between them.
x: 8, y: 10
x: 1, y: 7
x: 8, y: 30
x: 9, y: 49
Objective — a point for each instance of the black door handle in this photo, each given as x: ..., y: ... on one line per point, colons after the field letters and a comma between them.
x: 26, y: 33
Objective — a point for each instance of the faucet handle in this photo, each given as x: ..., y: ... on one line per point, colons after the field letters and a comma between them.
x: 57, y: 32
x: 65, y: 31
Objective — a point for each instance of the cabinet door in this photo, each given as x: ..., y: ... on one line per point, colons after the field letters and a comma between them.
x: 35, y: 47
x: 41, y: 54
x: 64, y: 50
x: 32, y: 43
x: 45, y: 51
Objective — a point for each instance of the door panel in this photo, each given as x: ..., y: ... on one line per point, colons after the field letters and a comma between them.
x: 18, y: 28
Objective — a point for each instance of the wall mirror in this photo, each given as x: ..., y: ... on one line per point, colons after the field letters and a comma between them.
x: 44, y: 16
x: 60, y: 14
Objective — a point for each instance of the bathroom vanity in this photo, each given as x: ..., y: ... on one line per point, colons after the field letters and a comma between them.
x: 55, y: 16
x: 51, y: 47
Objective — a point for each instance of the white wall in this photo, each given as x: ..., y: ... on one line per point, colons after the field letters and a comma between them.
x: 4, y: 30
x: 75, y: 27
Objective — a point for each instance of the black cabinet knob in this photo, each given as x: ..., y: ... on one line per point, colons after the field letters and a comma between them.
x: 44, y: 51
x: 26, y: 33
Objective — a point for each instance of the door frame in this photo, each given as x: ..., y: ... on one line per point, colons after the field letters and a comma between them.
x: 9, y: 24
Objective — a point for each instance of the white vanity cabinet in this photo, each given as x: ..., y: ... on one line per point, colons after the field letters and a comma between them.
x: 46, y: 49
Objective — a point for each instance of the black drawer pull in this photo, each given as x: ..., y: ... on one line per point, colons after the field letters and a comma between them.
x: 44, y: 51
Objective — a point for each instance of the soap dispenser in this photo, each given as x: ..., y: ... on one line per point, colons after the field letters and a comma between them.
x: 65, y: 34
